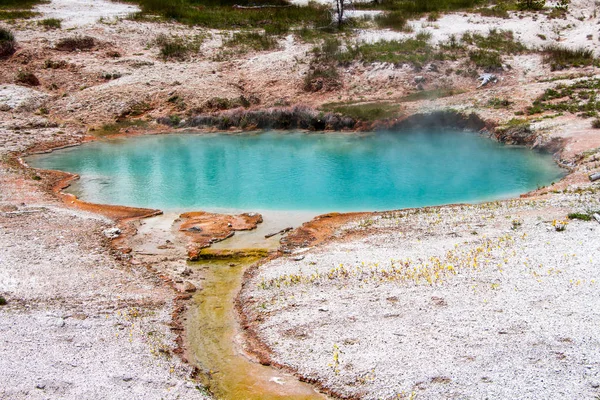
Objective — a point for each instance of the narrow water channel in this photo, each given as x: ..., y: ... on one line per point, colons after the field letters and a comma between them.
x: 213, y: 337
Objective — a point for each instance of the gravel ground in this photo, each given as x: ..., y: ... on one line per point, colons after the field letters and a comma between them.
x: 511, y: 310
x: 79, y: 325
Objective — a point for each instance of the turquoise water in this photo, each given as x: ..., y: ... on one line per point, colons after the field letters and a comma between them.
x: 300, y: 171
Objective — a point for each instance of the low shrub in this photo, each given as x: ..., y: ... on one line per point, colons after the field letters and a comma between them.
x: 51, y: 23
x: 8, y: 45
x: 74, y: 43
x: 27, y: 78
x: 596, y: 123
x: 2, y: 301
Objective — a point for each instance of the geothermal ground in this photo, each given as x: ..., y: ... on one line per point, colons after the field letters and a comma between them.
x: 476, y: 301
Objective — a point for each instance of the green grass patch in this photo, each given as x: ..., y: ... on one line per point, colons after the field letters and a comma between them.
x: 498, y: 103
x: 560, y: 57
x: 220, y: 14
x: 581, y: 216
x: 417, y: 8
x: 11, y: 15
x: 117, y: 127
x: 430, y: 94
x: 18, y: 9
x: 51, y: 23
x: 394, y: 20
x: 485, y: 59
x: 497, y: 39
x: 252, y: 41
x: 415, y: 51
x: 364, y: 111
x: 175, y: 47
x: 580, y: 97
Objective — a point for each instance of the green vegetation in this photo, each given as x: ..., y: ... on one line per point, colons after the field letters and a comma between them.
x: 8, y: 45
x: 220, y: 14
x: 175, y: 47
x: 498, y: 40
x: 12, y: 15
x: 500, y: 10
x: 430, y: 94
x: 2, y: 301
x: 488, y: 49
x: 488, y: 60
x: 416, y: 8
x: 415, y: 51
x: 18, y: 9
x: 579, y: 97
x: 394, y: 20
x: 51, y: 23
x: 560, y: 57
x: 252, y: 41
x: 117, y: 127
x: 497, y: 103
x: 532, y: 5
x: 596, y: 123
x: 74, y: 43
x: 364, y: 111
x: 581, y: 216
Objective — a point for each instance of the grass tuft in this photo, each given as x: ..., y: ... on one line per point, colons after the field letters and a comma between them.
x: 51, y: 23
x: 560, y: 57
x: 8, y: 45
x: 581, y: 216
x: 487, y: 60
x: 393, y: 20
x: 252, y: 41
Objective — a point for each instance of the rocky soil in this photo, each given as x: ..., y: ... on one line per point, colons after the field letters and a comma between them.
x: 483, y: 301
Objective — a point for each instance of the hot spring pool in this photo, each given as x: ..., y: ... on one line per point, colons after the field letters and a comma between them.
x: 300, y: 171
